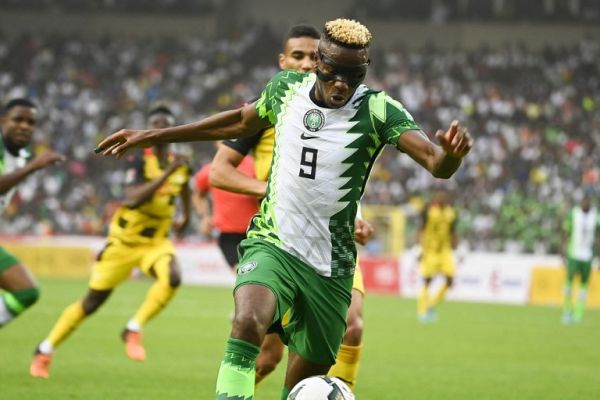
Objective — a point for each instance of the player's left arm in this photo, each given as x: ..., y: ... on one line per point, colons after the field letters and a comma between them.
x: 186, y: 209
x: 443, y: 160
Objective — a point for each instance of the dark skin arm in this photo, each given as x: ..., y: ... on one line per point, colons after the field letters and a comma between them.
x: 230, y: 124
x: 10, y: 180
x: 135, y: 195
x: 200, y: 200
x: 441, y: 161
x: 225, y: 175
x: 186, y: 209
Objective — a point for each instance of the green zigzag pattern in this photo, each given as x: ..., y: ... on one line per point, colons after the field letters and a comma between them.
x: 279, y: 92
x: 368, y: 119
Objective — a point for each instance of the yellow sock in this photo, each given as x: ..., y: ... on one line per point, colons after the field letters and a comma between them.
x: 158, y: 296
x: 439, y: 296
x: 347, y: 363
x: 423, y: 300
x: 67, y: 322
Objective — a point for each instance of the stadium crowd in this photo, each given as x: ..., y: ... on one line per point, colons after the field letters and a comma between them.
x: 535, y: 116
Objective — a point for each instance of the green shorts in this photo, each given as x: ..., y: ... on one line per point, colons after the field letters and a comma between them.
x: 7, y: 260
x: 583, y: 268
x: 319, y: 305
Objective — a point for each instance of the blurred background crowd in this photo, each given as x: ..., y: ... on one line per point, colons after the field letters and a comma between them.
x: 535, y: 114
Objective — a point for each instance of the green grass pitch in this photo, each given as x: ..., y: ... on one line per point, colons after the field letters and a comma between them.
x: 474, y: 351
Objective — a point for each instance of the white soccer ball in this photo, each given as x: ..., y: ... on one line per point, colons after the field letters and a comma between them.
x: 321, y: 388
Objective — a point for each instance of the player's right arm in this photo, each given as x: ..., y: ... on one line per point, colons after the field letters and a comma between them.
x: 12, y: 179
x: 224, y: 173
x: 241, y: 122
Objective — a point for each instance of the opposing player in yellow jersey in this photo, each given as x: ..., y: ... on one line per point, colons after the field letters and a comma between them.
x: 438, y: 240
x: 299, y: 53
x: 138, y: 236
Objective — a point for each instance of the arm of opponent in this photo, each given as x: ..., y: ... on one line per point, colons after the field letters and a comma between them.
x: 186, y: 210
x: 12, y: 179
x: 138, y: 191
x: 200, y: 201
x: 225, y: 175
x: 236, y: 123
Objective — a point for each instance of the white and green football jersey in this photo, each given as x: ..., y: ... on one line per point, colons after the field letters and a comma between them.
x: 321, y: 163
x: 9, y: 163
x: 582, y: 228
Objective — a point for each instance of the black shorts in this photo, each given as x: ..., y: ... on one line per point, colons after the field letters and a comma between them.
x: 228, y: 243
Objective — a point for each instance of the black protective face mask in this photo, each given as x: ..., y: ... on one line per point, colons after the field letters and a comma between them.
x: 352, y: 75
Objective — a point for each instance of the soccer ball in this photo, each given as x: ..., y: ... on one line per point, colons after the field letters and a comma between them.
x: 321, y: 388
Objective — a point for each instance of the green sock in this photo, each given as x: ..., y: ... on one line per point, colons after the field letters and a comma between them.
x: 284, y: 393
x: 236, y: 375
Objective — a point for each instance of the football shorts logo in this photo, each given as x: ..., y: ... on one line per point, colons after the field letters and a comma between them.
x: 248, y: 267
x: 314, y: 120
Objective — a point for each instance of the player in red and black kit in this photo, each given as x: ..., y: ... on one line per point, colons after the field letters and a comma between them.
x: 230, y: 211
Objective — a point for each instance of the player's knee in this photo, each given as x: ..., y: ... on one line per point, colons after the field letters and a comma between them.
x: 247, y: 325
x: 449, y: 281
x: 354, y: 331
x: 94, y: 300
x: 174, y: 274
x: 174, y: 278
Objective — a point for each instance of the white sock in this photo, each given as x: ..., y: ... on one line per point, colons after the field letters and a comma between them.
x: 5, y: 315
x: 46, y: 347
x: 132, y: 325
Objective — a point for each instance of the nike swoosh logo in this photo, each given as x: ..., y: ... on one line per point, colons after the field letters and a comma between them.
x: 304, y: 136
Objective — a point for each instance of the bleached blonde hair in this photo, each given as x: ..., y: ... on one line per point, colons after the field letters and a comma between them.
x: 347, y: 32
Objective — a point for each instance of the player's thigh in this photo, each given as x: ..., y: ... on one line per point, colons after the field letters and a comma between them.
x: 585, y: 269
x: 447, y: 266
x: 572, y: 269
x: 263, y: 264
x: 429, y: 265
x: 159, y: 262
x: 13, y: 275
x: 113, y: 265
x: 318, y: 320
x: 299, y: 368
x: 355, y: 311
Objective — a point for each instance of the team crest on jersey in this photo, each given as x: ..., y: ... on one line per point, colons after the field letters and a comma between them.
x: 314, y: 120
x: 248, y: 267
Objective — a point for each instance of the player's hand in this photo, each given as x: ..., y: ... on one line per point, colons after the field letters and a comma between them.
x: 119, y: 142
x: 206, y: 226
x: 180, y: 225
x: 47, y: 158
x: 362, y: 231
x: 178, y: 161
x: 456, y: 141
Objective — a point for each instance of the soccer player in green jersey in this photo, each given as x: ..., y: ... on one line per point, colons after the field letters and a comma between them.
x: 17, y: 123
x: 299, y: 54
x: 582, y: 231
x: 300, y: 251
